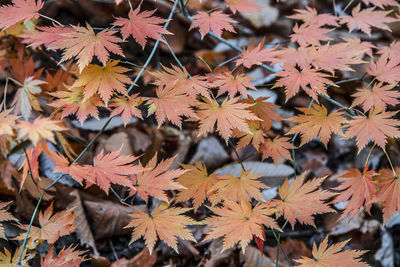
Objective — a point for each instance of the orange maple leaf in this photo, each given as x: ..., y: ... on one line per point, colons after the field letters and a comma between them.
x: 255, y: 136
x: 127, y: 107
x: 376, y: 127
x: 71, y: 102
x: 309, y: 34
x: 232, y: 83
x: 389, y: 184
x: 264, y: 110
x: 52, y: 226
x: 166, y: 223
x: 40, y: 128
x: 238, y: 188
x: 67, y: 257
x: 103, y: 80
x: 310, y: 16
x: 181, y: 80
x: 198, y: 184
x: 359, y: 189
x: 386, y: 69
x: 156, y: 179
x: 301, y: 200
x: 20, y: 10
x: 256, y: 55
x: 112, y: 168
x: 171, y: 103
x: 243, y: 6
x: 239, y: 222
x: 141, y: 25
x: 337, y: 56
x: 324, y: 256
x: 62, y: 165
x: 293, y: 79
x: 83, y: 43
x: 228, y: 115
x: 31, y: 164
x: 378, y: 96
x: 5, y: 216
x: 215, y: 21
x: 366, y: 18
x: 276, y: 148
x: 316, y: 122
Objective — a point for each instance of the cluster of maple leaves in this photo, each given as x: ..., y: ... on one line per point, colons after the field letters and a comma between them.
x: 218, y: 102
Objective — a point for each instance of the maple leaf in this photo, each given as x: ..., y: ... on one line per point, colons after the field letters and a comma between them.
x: 301, y: 200
x: 197, y: 182
x: 31, y: 164
x: 310, y: 16
x: 20, y: 10
x: 103, y: 80
x: 379, y: 96
x: 171, y: 103
x: 276, y: 148
x: 127, y: 107
x: 231, y: 83
x: 181, y: 80
x: 316, y: 122
x: 391, y: 52
x: 255, y: 136
x: 164, y: 223
x: 9, y: 260
x: 155, y: 179
x: 215, y: 21
x: 337, y: 56
x: 111, y: 168
x: 71, y: 102
x: 24, y: 99
x: 7, y: 121
x: 264, y: 110
x: 40, y: 128
x: 256, y: 55
x: 239, y: 222
x: 46, y: 35
x: 57, y: 81
x: 376, y: 127
x: 141, y: 25
x: 243, y: 6
x: 242, y: 188
x: 83, y: 43
x: 22, y: 68
x: 366, y: 18
x: 293, y: 79
x: 62, y: 165
x: 359, y: 189
x: 52, y: 226
x: 67, y: 257
x: 382, y: 3
x: 324, y: 256
x: 389, y: 184
x: 228, y: 115
x: 5, y: 216
x: 386, y: 69
x: 309, y: 34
